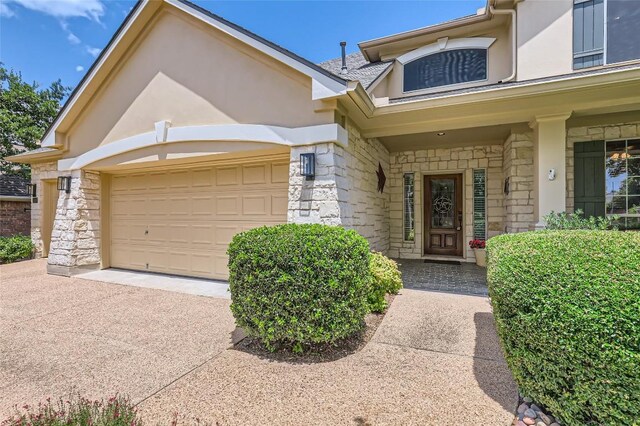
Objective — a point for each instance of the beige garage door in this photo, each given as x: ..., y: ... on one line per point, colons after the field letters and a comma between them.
x: 181, y: 222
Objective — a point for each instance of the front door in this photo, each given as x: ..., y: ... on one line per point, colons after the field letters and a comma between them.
x: 443, y: 214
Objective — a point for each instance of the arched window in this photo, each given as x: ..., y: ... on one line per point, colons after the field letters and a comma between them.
x: 445, y: 68
x: 445, y: 63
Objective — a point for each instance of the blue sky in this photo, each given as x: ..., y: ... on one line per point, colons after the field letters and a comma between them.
x: 51, y: 39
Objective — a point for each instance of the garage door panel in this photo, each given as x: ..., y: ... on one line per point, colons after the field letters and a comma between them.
x: 192, y: 215
x: 202, y: 235
x: 227, y: 176
x: 256, y: 204
x: 228, y: 205
x: 202, y: 205
x: 280, y: 173
x: 256, y: 174
x: 279, y: 205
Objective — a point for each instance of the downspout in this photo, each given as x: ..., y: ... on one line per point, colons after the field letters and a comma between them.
x: 514, y: 47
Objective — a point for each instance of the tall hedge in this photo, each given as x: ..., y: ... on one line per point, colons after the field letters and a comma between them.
x: 299, y: 284
x: 567, y: 308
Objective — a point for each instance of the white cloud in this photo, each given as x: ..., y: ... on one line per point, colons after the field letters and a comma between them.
x: 90, y: 9
x: 79, y: 68
x: 73, y: 39
x: 93, y: 51
x: 5, y: 11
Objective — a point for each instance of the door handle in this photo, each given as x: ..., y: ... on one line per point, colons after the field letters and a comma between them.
x: 459, y: 221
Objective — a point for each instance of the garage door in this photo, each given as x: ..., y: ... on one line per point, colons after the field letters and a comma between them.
x: 181, y: 222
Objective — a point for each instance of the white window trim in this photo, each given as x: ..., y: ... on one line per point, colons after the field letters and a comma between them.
x: 445, y: 44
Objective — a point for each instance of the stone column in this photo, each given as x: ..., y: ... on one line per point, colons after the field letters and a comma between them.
x: 75, y: 240
x: 323, y: 199
x: 549, y: 160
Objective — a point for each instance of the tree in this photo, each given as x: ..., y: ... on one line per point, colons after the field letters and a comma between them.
x: 26, y: 111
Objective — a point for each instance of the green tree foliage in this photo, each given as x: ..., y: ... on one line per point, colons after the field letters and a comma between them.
x: 26, y: 111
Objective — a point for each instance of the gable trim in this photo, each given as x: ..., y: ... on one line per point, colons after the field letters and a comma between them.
x: 241, y: 133
x: 324, y: 84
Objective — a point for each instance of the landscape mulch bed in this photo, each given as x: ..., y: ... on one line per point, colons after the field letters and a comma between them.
x: 320, y: 352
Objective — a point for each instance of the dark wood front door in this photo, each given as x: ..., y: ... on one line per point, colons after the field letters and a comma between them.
x: 443, y: 214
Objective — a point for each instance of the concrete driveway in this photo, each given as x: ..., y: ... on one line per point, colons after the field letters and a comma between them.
x: 434, y: 360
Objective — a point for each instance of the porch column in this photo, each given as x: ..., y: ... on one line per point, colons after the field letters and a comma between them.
x: 549, y: 165
x: 75, y: 240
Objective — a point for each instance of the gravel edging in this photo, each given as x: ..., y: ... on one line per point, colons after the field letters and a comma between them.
x: 530, y: 414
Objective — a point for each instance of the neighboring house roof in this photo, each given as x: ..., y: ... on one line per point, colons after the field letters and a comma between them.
x: 358, y: 68
x: 13, y: 186
x: 586, y: 73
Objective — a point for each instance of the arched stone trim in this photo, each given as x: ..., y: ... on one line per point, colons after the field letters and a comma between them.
x: 446, y: 44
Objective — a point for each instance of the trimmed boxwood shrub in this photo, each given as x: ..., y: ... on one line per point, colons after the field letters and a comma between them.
x: 385, y: 279
x: 567, y: 308
x: 15, y: 248
x: 299, y: 284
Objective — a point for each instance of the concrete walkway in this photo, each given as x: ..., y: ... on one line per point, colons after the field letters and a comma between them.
x: 187, y: 285
x: 435, y: 359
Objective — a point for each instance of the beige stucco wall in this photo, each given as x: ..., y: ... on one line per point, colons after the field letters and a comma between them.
x: 545, y: 37
x: 344, y: 191
x: 439, y: 161
x: 190, y: 74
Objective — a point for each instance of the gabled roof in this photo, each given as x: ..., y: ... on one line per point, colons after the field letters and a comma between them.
x: 358, y: 68
x: 326, y: 84
x: 13, y: 186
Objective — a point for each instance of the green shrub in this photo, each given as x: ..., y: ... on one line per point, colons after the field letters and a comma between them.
x: 567, y: 309
x: 577, y: 220
x: 299, y: 284
x: 385, y: 279
x: 116, y: 411
x: 15, y: 248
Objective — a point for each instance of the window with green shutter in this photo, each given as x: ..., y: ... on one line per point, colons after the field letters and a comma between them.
x: 589, y: 178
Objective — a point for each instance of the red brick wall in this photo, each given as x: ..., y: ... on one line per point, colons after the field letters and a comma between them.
x: 14, y: 219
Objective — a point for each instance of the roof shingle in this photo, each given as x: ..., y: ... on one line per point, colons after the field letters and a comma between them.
x: 13, y: 186
x: 358, y: 68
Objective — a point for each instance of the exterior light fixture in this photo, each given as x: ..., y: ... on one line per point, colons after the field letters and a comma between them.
x: 440, y: 133
x: 32, y: 190
x: 308, y: 165
x: 64, y: 183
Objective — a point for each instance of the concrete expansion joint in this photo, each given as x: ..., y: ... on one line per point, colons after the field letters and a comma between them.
x: 497, y: 361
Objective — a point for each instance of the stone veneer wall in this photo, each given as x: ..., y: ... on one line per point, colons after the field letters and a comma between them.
x: 594, y: 133
x: 75, y: 240
x: 518, y: 167
x: 438, y: 161
x: 40, y: 172
x: 344, y: 191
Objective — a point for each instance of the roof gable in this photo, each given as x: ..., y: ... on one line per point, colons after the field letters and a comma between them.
x: 325, y: 84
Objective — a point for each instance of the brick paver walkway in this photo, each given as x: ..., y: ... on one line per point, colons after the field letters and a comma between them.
x: 466, y: 278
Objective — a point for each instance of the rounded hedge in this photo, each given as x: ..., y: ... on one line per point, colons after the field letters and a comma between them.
x: 385, y: 279
x: 567, y: 308
x: 299, y: 284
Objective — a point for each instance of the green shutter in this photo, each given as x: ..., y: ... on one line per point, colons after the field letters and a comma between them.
x: 589, y: 182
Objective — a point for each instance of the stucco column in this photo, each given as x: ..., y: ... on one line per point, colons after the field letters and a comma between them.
x: 75, y: 240
x: 323, y: 199
x: 549, y: 161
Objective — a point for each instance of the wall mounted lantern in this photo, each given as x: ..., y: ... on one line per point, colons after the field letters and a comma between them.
x: 32, y: 190
x: 308, y: 165
x: 64, y: 183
